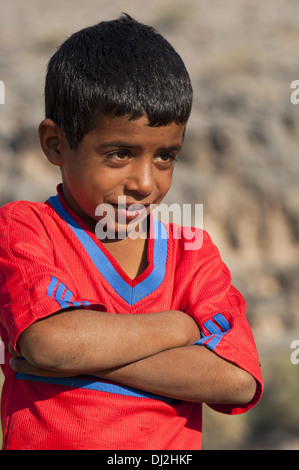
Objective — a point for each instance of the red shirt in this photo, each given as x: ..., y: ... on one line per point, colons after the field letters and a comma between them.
x: 50, y: 260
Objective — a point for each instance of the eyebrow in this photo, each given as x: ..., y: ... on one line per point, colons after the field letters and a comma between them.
x: 117, y: 143
x: 122, y: 144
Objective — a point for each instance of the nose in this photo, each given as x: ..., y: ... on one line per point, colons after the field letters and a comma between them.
x: 141, y: 178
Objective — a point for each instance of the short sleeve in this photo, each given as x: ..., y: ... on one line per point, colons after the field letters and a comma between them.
x: 220, y: 311
x: 31, y: 285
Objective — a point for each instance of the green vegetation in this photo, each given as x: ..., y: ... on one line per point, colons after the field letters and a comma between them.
x: 275, y: 423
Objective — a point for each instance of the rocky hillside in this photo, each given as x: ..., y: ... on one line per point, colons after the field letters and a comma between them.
x: 240, y: 159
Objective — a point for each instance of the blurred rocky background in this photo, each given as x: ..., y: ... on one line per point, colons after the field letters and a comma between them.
x: 240, y: 160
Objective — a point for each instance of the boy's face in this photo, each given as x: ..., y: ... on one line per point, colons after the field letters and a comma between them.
x: 119, y: 158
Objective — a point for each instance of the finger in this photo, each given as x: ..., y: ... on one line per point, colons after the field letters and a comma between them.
x: 17, y: 364
x: 24, y: 367
x: 12, y: 351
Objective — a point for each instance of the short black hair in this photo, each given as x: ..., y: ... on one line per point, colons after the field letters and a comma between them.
x: 120, y: 67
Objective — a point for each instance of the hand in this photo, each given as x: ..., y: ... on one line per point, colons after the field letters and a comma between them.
x: 12, y: 351
x: 19, y: 364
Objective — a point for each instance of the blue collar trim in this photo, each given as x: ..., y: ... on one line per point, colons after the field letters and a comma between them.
x: 129, y: 294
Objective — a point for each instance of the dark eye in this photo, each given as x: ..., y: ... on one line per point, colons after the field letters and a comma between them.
x: 166, y: 157
x: 119, y: 154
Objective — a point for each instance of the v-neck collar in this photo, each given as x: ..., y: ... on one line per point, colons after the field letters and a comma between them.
x: 130, y: 290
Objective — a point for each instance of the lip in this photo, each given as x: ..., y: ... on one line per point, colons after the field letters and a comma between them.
x: 129, y: 211
x: 130, y: 214
x: 134, y: 205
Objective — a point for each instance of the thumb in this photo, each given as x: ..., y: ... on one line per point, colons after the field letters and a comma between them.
x: 12, y: 351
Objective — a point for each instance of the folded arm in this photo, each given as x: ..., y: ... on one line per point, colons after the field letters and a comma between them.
x: 143, y: 352
x: 190, y: 373
x: 88, y: 340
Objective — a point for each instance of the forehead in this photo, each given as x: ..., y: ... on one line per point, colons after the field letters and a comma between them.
x: 134, y: 132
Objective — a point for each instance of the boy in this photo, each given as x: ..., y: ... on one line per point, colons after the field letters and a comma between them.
x: 122, y: 338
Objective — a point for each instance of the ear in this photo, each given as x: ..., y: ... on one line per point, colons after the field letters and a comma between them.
x: 52, y: 140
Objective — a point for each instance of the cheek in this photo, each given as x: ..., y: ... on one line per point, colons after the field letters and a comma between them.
x: 164, y: 182
x: 90, y: 180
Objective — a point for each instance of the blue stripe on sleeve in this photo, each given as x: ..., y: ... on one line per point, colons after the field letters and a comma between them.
x: 216, y: 335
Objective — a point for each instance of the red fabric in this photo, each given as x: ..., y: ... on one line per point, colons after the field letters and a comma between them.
x: 37, y: 246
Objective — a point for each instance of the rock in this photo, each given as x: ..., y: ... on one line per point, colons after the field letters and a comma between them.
x: 240, y: 157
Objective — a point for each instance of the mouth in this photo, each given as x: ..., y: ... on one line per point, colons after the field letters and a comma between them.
x: 130, y: 211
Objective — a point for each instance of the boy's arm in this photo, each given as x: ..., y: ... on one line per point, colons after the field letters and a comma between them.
x: 191, y: 373
x: 90, y: 340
